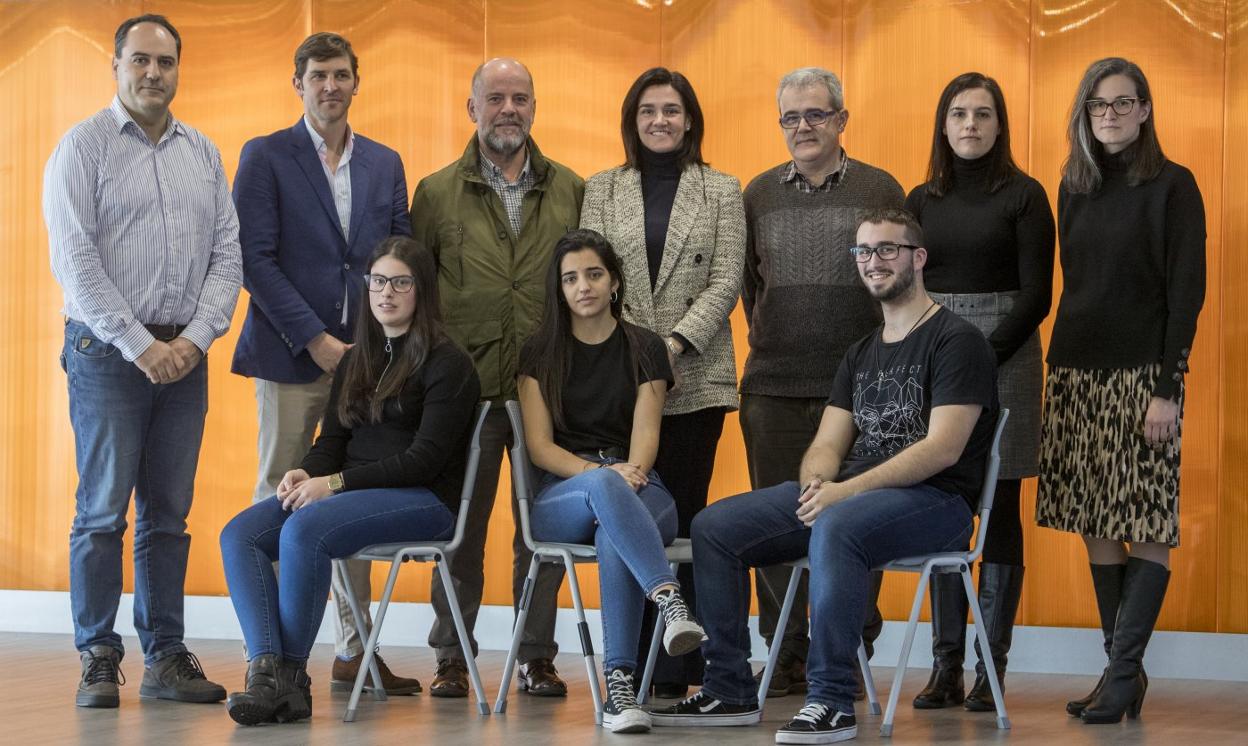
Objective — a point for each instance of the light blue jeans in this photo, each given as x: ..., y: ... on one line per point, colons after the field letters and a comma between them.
x: 628, y: 529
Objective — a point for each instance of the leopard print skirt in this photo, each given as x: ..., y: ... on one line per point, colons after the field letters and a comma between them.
x: 1098, y: 476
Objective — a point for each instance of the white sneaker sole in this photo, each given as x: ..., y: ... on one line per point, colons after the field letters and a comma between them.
x: 844, y: 734
x: 683, y: 637
x: 753, y: 717
x: 632, y: 720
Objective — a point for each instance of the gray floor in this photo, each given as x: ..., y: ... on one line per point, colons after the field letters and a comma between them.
x: 40, y: 675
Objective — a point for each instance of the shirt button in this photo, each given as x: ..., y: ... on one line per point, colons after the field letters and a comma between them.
x: 338, y: 305
x: 502, y: 235
x: 689, y: 301
x: 515, y: 285
x: 347, y: 265
x: 697, y: 258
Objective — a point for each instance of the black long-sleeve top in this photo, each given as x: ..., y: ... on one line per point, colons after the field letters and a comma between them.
x: 990, y: 242
x: 660, y: 178
x: 422, y: 438
x: 1133, y: 271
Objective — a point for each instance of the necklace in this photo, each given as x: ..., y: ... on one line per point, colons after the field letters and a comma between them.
x: 904, y: 337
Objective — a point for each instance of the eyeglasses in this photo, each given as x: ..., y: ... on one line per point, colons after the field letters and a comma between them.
x: 814, y: 118
x: 400, y: 283
x: 1122, y: 106
x: 885, y: 251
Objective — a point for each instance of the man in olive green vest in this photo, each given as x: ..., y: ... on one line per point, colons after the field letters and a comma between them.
x: 492, y: 219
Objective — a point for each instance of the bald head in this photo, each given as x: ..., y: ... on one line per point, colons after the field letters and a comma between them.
x: 502, y: 106
x: 508, y: 66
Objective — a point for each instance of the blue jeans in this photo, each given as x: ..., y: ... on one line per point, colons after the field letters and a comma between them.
x: 130, y: 435
x: 305, y: 541
x: 628, y: 529
x: 849, y: 538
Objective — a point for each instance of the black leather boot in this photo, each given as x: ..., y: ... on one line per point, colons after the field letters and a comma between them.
x: 294, y: 701
x: 1107, y: 583
x: 945, y: 688
x: 257, y: 704
x: 1000, y: 588
x: 1124, y: 686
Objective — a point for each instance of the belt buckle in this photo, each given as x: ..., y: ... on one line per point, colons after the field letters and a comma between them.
x: 601, y: 454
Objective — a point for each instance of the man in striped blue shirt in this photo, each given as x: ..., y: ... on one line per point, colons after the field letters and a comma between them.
x: 144, y: 243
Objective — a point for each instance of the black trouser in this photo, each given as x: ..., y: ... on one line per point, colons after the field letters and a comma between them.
x: 686, y: 460
x: 777, y: 431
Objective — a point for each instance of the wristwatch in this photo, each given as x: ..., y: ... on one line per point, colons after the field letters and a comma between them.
x: 335, y: 483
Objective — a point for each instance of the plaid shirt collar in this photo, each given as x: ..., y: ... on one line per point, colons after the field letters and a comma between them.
x: 834, y: 179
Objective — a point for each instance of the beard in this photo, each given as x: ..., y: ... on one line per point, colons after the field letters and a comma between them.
x: 504, y: 145
x: 903, y: 284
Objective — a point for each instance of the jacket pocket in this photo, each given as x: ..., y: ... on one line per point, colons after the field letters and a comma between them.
x: 483, y: 339
x: 450, y: 254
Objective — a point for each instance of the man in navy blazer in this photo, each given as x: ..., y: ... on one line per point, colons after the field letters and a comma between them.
x: 313, y: 202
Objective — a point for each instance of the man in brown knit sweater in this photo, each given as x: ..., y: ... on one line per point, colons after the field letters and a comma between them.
x: 804, y: 305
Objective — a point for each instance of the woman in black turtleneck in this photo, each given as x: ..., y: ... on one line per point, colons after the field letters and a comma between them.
x: 1132, y: 228
x: 989, y: 235
x: 679, y: 227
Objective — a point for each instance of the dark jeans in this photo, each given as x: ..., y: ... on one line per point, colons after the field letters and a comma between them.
x: 467, y: 564
x: 686, y: 460
x: 761, y: 528
x: 282, y: 617
x: 777, y: 432
x: 130, y: 435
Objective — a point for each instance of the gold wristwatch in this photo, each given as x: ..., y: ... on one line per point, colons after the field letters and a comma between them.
x: 335, y: 483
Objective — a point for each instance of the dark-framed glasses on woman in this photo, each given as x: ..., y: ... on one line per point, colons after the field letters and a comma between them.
x: 1122, y: 106
x: 400, y: 283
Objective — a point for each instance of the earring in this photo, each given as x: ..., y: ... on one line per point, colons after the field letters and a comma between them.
x: 615, y: 297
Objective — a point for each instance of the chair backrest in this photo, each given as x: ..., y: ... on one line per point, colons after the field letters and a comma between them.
x: 470, y: 476
x: 989, y: 490
x: 521, y: 469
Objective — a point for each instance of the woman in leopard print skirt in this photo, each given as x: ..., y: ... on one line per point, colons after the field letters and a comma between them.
x: 1132, y: 230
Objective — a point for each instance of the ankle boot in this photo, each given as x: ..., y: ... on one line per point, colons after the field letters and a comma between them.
x: 945, y: 687
x: 1000, y: 588
x: 1143, y: 592
x: 1107, y: 583
x: 294, y: 700
x: 257, y: 704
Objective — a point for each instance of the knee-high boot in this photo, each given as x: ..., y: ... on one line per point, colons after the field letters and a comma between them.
x: 1107, y: 583
x: 1122, y: 692
x: 945, y: 688
x: 1000, y: 588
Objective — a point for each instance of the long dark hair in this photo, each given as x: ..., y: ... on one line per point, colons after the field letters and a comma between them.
x: 1001, y: 164
x: 690, y: 150
x: 550, y: 353
x: 1082, y: 171
x: 371, y: 377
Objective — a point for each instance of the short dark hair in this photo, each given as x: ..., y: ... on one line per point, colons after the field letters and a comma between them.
x: 119, y: 39
x: 1000, y: 160
x: 896, y: 216
x: 690, y: 151
x: 323, y: 46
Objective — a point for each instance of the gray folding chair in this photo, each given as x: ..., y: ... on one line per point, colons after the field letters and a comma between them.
x: 428, y: 551
x: 924, y: 565
x: 569, y: 555
x: 679, y: 553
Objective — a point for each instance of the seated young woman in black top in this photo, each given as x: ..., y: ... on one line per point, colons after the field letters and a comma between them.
x: 592, y: 388
x: 387, y: 467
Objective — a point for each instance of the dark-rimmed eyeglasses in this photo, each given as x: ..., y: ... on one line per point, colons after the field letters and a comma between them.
x: 400, y: 283
x: 885, y: 251
x: 814, y: 118
x: 1122, y: 106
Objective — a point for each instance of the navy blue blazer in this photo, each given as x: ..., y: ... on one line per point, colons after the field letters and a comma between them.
x: 296, y: 264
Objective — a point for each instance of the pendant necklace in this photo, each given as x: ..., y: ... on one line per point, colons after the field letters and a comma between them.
x: 904, y: 337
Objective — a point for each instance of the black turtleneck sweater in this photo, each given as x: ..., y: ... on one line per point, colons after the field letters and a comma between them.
x: 422, y: 438
x: 990, y: 242
x: 1133, y: 272
x: 660, y: 176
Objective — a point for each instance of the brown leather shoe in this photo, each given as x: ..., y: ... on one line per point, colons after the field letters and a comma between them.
x: 451, y: 680
x: 342, y: 678
x: 539, y: 678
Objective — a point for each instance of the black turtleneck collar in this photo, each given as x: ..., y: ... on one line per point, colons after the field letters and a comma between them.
x: 659, y: 164
x: 971, y: 171
x: 1121, y: 161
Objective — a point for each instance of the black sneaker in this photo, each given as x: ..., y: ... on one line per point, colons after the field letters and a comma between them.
x: 681, y: 634
x: 704, y: 710
x: 179, y: 677
x: 101, y: 675
x: 817, y: 723
x: 621, y: 713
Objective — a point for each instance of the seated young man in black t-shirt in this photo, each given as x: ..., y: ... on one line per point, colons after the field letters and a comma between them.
x: 894, y: 471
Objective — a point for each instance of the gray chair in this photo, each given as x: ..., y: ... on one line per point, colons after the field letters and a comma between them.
x: 679, y: 553
x: 427, y: 551
x: 924, y: 565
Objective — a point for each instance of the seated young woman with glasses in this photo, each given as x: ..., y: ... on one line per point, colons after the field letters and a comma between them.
x: 387, y: 467
x: 592, y: 388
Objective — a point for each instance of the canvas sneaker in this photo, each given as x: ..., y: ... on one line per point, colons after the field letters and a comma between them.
x: 704, y: 710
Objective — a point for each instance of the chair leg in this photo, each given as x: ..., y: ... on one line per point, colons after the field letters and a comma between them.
x: 653, y: 656
x: 981, y: 633
x: 457, y: 615
x: 500, y: 704
x: 886, y: 728
x: 369, y: 663
x: 868, y: 681
x: 777, y: 638
x: 587, y: 643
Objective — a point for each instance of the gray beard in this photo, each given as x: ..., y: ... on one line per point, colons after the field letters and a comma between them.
x: 504, y: 145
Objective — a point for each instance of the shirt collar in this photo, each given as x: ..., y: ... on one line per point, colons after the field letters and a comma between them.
x: 319, y: 142
x: 121, y: 117
x: 791, y: 173
x: 491, y: 171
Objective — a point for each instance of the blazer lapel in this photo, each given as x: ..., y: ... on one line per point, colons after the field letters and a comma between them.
x: 631, y: 224
x: 690, y: 199
x: 310, y: 163
x: 361, y: 162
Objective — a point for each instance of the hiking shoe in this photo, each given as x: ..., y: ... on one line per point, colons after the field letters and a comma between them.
x: 704, y: 710
x: 817, y: 723
x: 681, y: 634
x: 101, y: 675
x: 621, y: 713
x: 179, y: 677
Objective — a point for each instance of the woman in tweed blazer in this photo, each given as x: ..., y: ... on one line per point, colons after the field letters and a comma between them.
x: 679, y: 227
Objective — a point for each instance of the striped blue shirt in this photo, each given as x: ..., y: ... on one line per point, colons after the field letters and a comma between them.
x: 142, y: 234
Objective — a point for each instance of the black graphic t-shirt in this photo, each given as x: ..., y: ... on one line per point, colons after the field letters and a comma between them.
x: 891, y: 388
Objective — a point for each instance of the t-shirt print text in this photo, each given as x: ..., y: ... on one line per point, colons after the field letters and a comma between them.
x: 888, y: 410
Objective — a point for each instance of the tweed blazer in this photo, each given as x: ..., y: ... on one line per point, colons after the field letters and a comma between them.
x: 699, y: 278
